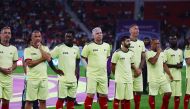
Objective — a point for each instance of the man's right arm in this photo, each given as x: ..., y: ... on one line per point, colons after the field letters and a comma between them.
x: 154, y: 59
x: 33, y: 63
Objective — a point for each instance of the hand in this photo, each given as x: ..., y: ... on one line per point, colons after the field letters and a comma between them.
x: 159, y: 50
x: 6, y: 71
x: 179, y: 65
x: 59, y: 72
x: 137, y: 73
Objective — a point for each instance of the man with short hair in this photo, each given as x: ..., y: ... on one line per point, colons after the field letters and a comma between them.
x: 37, y: 81
x: 174, y: 61
x: 122, y: 62
x: 157, y: 81
x: 97, y: 53
x: 68, y: 56
x: 8, y: 59
x: 137, y: 46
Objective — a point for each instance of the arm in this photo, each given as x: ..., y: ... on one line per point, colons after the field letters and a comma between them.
x: 58, y: 71
x: 14, y: 65
x: 113, y: 67
x: 142, y: 60
x: 154, y: 59
x: 172, y: 65
x: 166, y: 69
x: 77, y: 70
x: 137, y: 71
x: 33, y: 63
x: 187, y: 60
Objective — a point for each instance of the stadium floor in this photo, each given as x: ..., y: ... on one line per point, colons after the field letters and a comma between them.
x: 52, y: 82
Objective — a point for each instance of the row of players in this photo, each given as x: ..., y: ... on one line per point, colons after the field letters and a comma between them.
x: 126, y: 63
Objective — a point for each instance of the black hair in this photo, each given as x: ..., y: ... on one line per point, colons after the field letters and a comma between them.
x: 71, y: 32
x: 123, y: 38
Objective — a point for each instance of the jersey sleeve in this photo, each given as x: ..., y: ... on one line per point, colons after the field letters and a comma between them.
x: 181, y: 56
x: 55, y: 52
x: 78, y: 53
x: 15, y: 57
x: 115, y: 57
x: 85, y: 51
x: 143, y: 47
x: 27, y: 54
x: 109, y: 50
x: 132, y: 58
x: 187, y: 53
x: 166, y: 56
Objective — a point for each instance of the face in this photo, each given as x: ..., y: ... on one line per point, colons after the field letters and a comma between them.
x: 6, y: 34
x: 126, y: 43
x: 134, y: 31
x: 68, y: 38
x: 155, y: 44
x: 36, y: 38
x: 98, y: 35
x: 146, y: 41
x: 173, y: 40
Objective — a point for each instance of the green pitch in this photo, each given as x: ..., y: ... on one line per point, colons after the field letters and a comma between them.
x: 144, y: 98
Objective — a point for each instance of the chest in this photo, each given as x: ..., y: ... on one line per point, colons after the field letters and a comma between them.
x: 6, y: 53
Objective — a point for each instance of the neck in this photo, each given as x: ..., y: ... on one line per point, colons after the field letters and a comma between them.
x: 133, y: 38
x: 69, y: 45
x: 174, y: 47
x: 98, y: 42
x: 5, y: 43
x: 124, y: 49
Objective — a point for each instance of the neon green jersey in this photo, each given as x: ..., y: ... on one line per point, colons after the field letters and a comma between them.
x: 174, y: 57
x: 187, y: 55
x: 155, y: 71
x: 8, y: 54
x: 66, y: 61
x: 40, y: 70
x: 97, y: 59
x: 123, y: 61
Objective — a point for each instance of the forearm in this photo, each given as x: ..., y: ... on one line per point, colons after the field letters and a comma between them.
x: 33, y: 63
x: 154, y: 59
x: 14, y: 66
x: 52, y: 66
x: 171, y: 66
x: 142, y: 61
x: 113, y: 68
x: 166, y: 69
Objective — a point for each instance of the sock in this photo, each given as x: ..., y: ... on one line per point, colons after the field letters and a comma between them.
x: 88, y: 102
x: 122, y: 104
x: 103, y: 102
x: 176, y: 102
x: 59, y: 104
x: 116, y: 104
x: 165, y: 101
x: 127, y: 104
x: 137, y: 99
x: 5, y: 106
x: 70, y: 104
x: 152, y: 102
x: 186, y: 101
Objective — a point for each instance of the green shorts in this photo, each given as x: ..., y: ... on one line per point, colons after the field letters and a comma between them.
x: 176, y: 88
x: 160, y: 86
x: 67, y: 89
x: 124, y: 91
x: 6, y: 90
x: 36, y: 89
x: 138, y: 84
x: 97, y: 85
x: 188, y: 86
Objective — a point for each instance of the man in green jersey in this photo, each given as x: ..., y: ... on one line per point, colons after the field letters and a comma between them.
x: 174, y: 60
x: 137, y: 46
x: 8, y: 59
x: 122, y: 62
x: 68, y: 56
x: 96, y: 53
x: 37, y: 81
x: 187, y: 60
x: 157, y: 81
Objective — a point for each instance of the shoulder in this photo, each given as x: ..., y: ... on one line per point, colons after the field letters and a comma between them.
x: 13, y: 47
x: 75, y: 47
